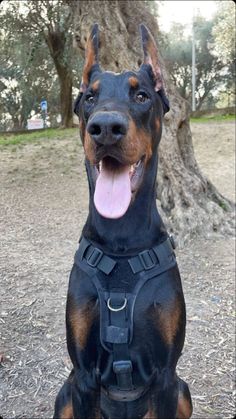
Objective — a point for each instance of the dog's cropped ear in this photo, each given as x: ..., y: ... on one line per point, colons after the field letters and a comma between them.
x: 151, y: 55
x: 151, y: 58
x: 91, y: 57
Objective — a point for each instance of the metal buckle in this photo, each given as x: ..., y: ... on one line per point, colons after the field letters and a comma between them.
x: 147, y: 260
x: 122, y: 367
x: 95, y: 257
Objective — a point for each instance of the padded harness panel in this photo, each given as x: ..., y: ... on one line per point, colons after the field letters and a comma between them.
x: 117, y: 307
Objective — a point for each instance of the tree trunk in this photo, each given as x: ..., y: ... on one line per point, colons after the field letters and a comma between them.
x: 65, y: 80
x: 188, y: 202
x: 16, y: 123
x: 56, y: 42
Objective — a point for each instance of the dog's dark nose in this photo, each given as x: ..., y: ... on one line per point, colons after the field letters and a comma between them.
x: 107, y: 127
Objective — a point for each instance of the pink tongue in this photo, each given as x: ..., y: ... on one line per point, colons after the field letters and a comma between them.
x: 113, y: 192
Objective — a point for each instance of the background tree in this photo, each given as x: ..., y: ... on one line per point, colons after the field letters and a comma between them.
x: 188, y: 201
x: 24, y: 61
x: 177, y: 52
x: 224, y: 44
x: 210, y: 69
x: 50, y: 21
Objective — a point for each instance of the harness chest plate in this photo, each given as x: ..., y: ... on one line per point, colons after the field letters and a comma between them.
x: 117, y: 307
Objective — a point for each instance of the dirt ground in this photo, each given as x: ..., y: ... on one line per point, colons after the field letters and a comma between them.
x: 43, y: 205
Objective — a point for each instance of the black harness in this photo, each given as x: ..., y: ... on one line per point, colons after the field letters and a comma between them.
x: 117, y: 309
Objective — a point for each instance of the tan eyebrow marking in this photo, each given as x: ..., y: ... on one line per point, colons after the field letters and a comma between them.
x: 133, y: 81
x: 95, y: 85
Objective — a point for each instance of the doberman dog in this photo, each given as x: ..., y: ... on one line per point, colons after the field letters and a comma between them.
x: 125, y: 312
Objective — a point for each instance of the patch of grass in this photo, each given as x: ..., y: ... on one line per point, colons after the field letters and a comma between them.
x: 223, y: 205
x: 40, y: 135
x: 215, y: 118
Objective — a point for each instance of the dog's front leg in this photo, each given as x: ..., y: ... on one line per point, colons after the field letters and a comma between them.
x: 166, y: 395
x: 76, y: 399
x: 82, y: 319
x: 171, y: 397
x: 85, y: 400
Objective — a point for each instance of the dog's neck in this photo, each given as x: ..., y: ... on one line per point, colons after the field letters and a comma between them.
x: 140, y: 228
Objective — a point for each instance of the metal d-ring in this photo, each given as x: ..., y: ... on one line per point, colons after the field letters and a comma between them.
x: 116, y: 309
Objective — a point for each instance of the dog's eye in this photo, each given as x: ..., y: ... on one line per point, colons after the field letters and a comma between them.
x: 141, y: 97
x: 90, y: 99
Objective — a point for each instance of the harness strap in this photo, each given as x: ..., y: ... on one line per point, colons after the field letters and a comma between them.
x: 143, y: 261
x: 147, y: 259
x: 117, y: 308
x: 122, y: 365
x: 95, y: 257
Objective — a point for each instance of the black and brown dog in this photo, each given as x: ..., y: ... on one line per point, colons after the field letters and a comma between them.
x: 125, y: 312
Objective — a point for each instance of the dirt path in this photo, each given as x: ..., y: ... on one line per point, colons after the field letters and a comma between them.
x: 214, y: 145
x: 43, y: 204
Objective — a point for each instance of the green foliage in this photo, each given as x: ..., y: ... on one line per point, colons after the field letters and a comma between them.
x: 224, y: 31
x: 224, y: 205
x: 22, y: 75
x: 224, y: 43
x: 29, y: 63
x: 211, y: 71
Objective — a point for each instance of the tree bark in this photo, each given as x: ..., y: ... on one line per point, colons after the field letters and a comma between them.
x: 187, y: 201
x: 56, y: 42
x: 16, y: 123
x: 65, y: 80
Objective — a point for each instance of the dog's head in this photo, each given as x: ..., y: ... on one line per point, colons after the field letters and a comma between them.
x: 120, y: 122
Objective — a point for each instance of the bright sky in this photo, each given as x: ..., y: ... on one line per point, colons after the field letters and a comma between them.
x: 182, y: 12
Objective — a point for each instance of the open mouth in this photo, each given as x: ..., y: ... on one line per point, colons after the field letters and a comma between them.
x: 116, y: 184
